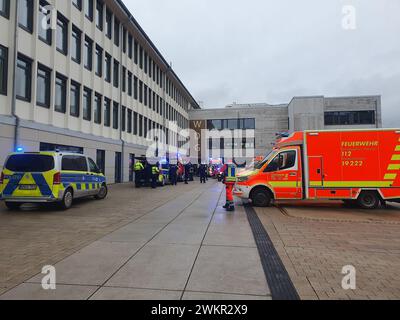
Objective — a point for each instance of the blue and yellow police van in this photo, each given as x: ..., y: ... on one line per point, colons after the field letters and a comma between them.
x: 44, y: 177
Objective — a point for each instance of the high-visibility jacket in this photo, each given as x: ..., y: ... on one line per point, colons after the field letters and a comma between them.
x: 155, y: 170
x: 230, y: 173
x: 138, y: 166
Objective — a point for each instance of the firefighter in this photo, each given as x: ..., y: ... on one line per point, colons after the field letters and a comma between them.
x: 155, y: 172
x: 229, y: 172
x: 139, y: 170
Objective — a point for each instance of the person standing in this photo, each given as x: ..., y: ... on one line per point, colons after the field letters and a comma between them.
x: 155, y: 173
x: 229, y: 171
x: 139, y: 169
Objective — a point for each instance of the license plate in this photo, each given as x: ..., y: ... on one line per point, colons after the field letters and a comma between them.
x: 27, y: 187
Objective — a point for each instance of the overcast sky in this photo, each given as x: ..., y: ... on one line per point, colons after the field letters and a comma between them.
x: 269, y: 50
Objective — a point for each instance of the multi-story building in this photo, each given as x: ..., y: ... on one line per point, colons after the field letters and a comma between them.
x: 82, y: 75
x: 302, y: 113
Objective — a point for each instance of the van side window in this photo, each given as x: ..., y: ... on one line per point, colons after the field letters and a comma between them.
x: 284, y: 160
x: 74, y: 163
x: 93, y: 167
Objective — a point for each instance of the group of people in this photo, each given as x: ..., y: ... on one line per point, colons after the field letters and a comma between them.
x: 145, y: 172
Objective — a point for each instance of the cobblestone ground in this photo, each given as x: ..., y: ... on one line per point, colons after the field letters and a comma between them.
x: 34, y: 237
x: 316, y: 241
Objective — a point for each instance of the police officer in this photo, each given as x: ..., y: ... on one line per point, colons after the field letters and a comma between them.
x: 229, y: 171
x: 173, y: 174
x: 155, y: 173
x: 139, y: 170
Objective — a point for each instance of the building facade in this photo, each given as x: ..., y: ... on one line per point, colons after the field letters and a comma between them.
x: 302, y: 113
x: 87, y: 79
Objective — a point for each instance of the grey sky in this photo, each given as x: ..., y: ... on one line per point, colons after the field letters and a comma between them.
x: 270, y: 51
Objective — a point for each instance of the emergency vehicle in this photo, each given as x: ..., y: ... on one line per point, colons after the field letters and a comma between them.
x: 43, y: 177
x: 357, y: 166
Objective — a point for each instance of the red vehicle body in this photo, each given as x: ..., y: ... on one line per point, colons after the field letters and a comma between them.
x: 352, y: 165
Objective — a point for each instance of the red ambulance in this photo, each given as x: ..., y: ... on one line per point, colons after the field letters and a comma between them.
x: 361, y: 166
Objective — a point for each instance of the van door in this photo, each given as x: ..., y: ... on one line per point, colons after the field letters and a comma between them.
x: 75, y: 173
x: 284, y: 174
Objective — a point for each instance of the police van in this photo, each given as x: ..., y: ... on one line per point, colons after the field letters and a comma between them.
x: 44, y: 177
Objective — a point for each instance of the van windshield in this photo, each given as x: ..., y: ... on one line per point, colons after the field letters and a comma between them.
x: 30, y: 163
x: 260, y: 164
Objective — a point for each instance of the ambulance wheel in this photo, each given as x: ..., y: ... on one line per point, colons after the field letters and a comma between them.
x: 368, y: 200
x: 67, y: 200
x: 13, y: 205
x: 102, y: 193
x: 261, y: 198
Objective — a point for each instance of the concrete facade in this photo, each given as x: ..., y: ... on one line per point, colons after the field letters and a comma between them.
x: 141, y: 68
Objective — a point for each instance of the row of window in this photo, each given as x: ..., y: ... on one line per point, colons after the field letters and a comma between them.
x: 231, y: 124
x: 350, y: 118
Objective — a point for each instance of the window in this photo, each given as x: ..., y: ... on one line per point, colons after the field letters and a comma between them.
x: 135, y: 127
x: 88, y: 54
x: 130, y: 46
x: 87, y: 104
x: 108, y: 24
x: 60, y: 94
x: 350, y: 118
x: 135, y: 87
x: 130, y: 83
x: 24, y: 78
x: 62, y: 35
x: 99, y: 61
x: 107, y: 112
x: 99, y: 14
x: 5, y: 8
x: 77, y: 4
x: 3, y: 70
x: 116, y: 32
x: 123, y: 79
x: 25, y: 15
x: 44, y: 34
x: 129, y: 129
x: 116, y: 74
x: 43, y: 86
x: 108, y: 68
x: 74, y: 163
x: 97, y: 108
x: 115, y: 115
x: 75, y: 102
x: 89, y: 9
x: 123, y: 119
x: 76, y: 45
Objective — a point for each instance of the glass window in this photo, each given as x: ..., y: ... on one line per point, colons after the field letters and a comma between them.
x: 44, y: 32
x: 97, y: 108
x: 89, y: 9
x: 24, y: 77
x: 88, y: 54
x: 76, y: 45
x: 5, y: 8
x: 99, y: 61
x: 75, y: 102
x: 108, y: 24
x: 107, y: 112
x: 25, y: 14
x: 30, y: 163
x: 74, y: 163
x: 87, y: 104
x: 43, y: 86
x: 115, y: 115
x: 60, y: 94
x: 3, y: 70
x: 99, y: 14
x: 62, y: 35
x: 108, y: 68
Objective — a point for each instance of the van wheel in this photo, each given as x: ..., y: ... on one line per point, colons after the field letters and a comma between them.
x: 261, y: 198
x: 67, y: 200
x: 368, y: 200
x: 13, y: 205
x: 102, y: 193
